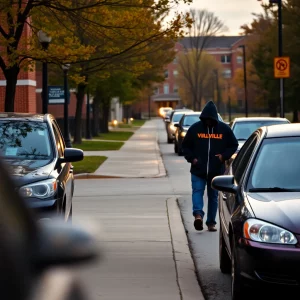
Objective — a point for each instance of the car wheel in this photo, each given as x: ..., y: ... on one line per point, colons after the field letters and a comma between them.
x: 175, y: 147
x: 237, y: 286
x: 224, y: 259
x: 180, y: 153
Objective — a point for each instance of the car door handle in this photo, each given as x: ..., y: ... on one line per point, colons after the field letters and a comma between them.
x: 71, y: 169
x: 224, y: 196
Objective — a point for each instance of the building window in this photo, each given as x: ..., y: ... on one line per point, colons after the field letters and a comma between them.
x: 175, y: 73
x: 166, y: 73
x: 227, y: 73
x: 156, y: 90
x: 239, y: 59
x: 225, y: 59
x: 175, y: 60
x: 175, y: 89
x: 166, y: 88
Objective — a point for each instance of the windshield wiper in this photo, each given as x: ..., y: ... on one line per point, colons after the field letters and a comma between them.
x: 272, y: 189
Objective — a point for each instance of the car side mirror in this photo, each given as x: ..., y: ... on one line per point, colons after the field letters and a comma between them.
x: 176, y: 125
x: 72, y: 155
x: 61, y: 243
x: 224, y: 183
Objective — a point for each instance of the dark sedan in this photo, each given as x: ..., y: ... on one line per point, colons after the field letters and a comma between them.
x: 187, y: 120
x: 39, y: 162
x: 259, y: 207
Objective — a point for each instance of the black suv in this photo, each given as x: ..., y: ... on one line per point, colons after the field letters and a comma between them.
x: 39, y: 162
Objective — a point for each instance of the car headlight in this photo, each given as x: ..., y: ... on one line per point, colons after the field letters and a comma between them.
x: 264, y: 232
x: 42, y: 189
x: 183, y: 133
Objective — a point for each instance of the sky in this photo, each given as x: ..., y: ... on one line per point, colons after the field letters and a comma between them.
x: 233, y: 13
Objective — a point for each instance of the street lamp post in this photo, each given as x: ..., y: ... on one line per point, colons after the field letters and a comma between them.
x: 280, y: 53
x: 229, y: 103
x: 245, y: 79
x: 66, y: 68
x: 45, y: 40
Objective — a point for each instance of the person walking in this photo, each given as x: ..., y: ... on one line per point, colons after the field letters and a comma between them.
x: 207, y: 145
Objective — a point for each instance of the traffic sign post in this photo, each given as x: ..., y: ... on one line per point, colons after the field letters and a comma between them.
x: 282, y: 67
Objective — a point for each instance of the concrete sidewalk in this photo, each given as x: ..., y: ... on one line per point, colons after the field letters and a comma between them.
x: 139, y: 157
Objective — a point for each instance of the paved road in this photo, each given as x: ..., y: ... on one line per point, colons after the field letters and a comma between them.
x: 137, y: 238
x: 204, y: 245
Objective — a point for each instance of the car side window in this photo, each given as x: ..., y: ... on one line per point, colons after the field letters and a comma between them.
x: 244, y: 156
x: 58, y: 141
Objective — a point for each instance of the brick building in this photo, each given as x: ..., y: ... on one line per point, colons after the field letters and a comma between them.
x: 225, y: 49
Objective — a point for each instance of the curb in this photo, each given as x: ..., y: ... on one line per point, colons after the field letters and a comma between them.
x: 185, y: 269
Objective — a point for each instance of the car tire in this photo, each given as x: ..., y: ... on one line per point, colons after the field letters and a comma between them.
x: 175, y: 147
x: 237, y: 286
x: 180, y: 153
x: 170, y: 141
x: 224, y: 259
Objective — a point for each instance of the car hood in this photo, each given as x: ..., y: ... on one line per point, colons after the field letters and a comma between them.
x: 28, y: 171
x: 282, y: 209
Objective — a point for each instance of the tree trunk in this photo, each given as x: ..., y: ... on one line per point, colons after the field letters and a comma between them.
x: 295, y: 116
x: 104, y: 116
x: 78, y: 115
x: 11, y: 76
x: 96, y: 115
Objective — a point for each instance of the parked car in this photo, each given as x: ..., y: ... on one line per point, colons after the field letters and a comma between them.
x: 243, y: 127
x: 35, y: 256
x: 259, y: 208
x: 187, y: 120
x: 175, y: 117
x: 164, y: 110
x: 40, y: 164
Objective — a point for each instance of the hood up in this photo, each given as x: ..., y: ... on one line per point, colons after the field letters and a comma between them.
x: 209, y: 112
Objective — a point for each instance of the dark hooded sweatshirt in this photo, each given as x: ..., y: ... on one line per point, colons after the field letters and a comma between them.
x: 204, y: 143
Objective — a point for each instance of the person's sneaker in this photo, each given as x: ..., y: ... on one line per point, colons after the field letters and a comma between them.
x: 198, y: 223
x: 211, y: 228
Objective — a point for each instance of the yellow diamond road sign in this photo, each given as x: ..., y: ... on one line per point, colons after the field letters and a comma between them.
x: 282, y: 67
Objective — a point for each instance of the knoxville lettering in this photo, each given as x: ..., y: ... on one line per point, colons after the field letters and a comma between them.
x: 210, y: 136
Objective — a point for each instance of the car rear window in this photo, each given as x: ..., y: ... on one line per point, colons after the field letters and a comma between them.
x: 242, y: 130
x: 177, y: 117
x: 24, y: 140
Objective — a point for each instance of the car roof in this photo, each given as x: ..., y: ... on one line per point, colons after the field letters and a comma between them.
x: 249, y: 119
x: 192, y: 113
x: 24, y: 116
x: 282, y: 130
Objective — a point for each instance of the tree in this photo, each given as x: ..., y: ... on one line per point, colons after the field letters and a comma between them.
x: 207, y: 70
x: 205, y: 25
x: 261, y: 37
x: 62, y: 20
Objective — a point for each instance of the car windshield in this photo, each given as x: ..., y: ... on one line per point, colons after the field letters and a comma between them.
x: 24, y: 140
x: 177, y: 117
x: 242, y: 130
x: 277, y: 165
x: 190, y: 120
